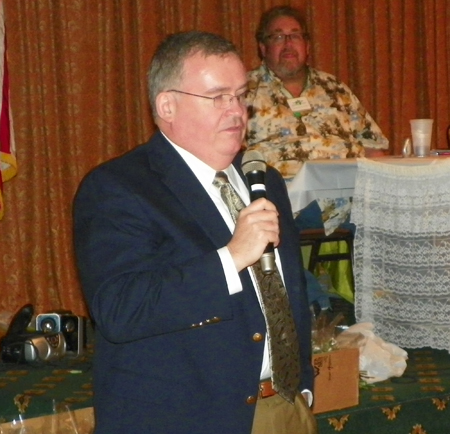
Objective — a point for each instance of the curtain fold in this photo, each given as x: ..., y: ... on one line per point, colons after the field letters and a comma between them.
x: 79, y: 97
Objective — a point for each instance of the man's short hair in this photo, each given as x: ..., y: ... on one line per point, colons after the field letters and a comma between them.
x: 279, y: 11
x: 166, y: 68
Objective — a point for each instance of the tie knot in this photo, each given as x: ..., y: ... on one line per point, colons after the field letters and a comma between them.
x: 228, y: 194
x: 220, y: 179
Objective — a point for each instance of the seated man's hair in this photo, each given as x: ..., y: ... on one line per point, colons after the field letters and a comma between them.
x: 279, y: 11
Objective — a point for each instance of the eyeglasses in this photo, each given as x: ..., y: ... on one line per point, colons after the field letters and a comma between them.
x: 281, y: 38
x: 222, y: 101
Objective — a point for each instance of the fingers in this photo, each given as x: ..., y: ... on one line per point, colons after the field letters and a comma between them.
x: 257, y: 226
x: 260, y: 220
x: 260, y: 204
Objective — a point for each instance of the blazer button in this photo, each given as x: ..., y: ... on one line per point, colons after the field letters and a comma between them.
x: 251, y: 400
x: 257, y: 337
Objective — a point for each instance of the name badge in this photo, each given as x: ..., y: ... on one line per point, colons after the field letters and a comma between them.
x: 299, y: 105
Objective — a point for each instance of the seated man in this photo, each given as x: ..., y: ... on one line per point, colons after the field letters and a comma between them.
x: 298, y: 113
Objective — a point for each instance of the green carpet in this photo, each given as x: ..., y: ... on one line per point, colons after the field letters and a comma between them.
x: 39, y: 389
x: 416, y: 403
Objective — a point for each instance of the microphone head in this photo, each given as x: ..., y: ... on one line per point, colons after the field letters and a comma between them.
x: 253, y: 161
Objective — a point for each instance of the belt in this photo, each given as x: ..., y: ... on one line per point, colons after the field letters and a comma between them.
x: 266, y: 389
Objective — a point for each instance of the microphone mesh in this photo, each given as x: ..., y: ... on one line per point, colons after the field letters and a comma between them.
x: 253, y: 161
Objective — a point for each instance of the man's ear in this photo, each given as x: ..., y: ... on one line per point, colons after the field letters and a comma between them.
x: 262, y: 50
x: 165, y: 106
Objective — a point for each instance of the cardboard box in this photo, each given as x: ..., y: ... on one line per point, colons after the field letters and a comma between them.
x: 336, y: 382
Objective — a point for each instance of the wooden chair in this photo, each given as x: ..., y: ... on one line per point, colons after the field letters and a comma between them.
x: 316, y: 237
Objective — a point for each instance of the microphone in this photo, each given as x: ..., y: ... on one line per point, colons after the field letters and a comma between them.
x: 254, y: 168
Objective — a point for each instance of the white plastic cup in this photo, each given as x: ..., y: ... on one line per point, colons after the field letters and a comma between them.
x: 421, y: 132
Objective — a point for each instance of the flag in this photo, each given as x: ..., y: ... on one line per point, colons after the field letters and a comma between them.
x: 8, y: 164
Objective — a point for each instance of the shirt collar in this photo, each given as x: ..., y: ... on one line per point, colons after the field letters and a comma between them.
x: 204, y: 173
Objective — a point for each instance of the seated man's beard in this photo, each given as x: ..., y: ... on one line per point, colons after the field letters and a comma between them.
x: 287, y: 72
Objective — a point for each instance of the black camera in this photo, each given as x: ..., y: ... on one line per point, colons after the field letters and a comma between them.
x: 18, y: 346
x: 73, y: 328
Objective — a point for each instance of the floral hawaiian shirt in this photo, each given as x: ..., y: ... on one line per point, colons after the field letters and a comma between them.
x: 336, y: 126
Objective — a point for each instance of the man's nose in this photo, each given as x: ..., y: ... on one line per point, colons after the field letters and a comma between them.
x: 287, y: 38
x: 237, y: 107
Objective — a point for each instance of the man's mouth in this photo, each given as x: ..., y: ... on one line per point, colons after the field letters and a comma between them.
x: 237, y: 128
x: 288, y: 54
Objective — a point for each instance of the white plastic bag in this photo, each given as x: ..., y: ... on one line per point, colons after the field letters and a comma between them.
x: 378, y: 360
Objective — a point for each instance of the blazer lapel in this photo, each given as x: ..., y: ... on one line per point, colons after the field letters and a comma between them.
x: 180, y: 179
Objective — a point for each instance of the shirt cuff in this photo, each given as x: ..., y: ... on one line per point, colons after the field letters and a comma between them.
x: 231, y: 275
x: 309, y: 395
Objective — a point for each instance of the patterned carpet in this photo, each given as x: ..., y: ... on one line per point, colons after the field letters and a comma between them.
x: 416, y: 403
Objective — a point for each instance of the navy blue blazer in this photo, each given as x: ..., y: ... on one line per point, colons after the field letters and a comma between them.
x: 174, y: 352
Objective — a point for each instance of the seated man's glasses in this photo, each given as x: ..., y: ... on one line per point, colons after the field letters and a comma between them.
x: 222, y: 101
x: 281, y: 38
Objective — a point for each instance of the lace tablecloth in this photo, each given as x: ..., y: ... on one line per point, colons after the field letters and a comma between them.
x: 402, y: 251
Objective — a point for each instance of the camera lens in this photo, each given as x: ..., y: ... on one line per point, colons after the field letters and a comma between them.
x: 48, y: 325
x: 69, y: 326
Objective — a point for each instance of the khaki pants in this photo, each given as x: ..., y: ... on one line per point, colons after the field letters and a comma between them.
x: 275, y: 415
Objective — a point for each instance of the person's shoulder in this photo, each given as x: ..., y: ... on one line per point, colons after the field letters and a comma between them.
x: 125, y: 158
x: 323, y: 79
x: 121, y: 164
x: 322, y: 75
x: 261, y: 84
x: 131, y: 172
x: 273, y: 175
x: 256, y: 74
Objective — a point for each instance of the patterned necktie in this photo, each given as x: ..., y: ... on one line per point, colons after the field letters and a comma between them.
x: 282, y: 335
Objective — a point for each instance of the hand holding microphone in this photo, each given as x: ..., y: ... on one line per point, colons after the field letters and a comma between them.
x: 254, y: 168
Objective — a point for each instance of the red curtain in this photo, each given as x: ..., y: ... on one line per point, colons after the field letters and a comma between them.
x: 79, y: 97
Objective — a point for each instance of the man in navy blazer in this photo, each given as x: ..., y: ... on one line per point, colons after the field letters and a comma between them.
x: 180, y: 342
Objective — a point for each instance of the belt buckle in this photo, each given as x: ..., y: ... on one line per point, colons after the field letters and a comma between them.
x: 260, y: 390
x: 266, y: 389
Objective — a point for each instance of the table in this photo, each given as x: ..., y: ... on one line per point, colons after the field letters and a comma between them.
x: 322, y: 178
x: 335, y: 178
x: 402, y: 241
